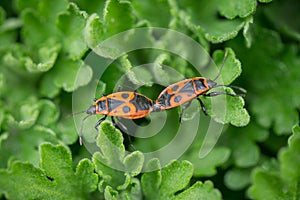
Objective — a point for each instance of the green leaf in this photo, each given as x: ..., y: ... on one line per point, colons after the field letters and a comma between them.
x: 175, y: 177
x: 289, y: 158
x: 206, y: 19
x: 22, y: 5
x: 47, y: 55
x: 35, y: 31
x: 71, y: 68
x: 278, y: 70
x: 39, y: 20
x: 94, y: 32
x: 28, y: 142
x: 117, y: 17
x: 110, y: 193
x: 242, y: 142
x: 51, y: 9
x: 34, y: 60
x: 245, y: 153
x: 232, y: 9
x: 64, y: 75
x: 164, y: 183
x: 27, y: 115
x: 66, y: 130
x: 9, y: 32
x: 268, y: 185
x: 71, y: 25
x: 144, y: 10
x: 232, y: 66
x: 49, y: 112
x: 47, y: 87
x: 247, y: 32
x: 279, y: 181
x: 112, y: 164
x: 134, y: 162
x: 207, y: 166
x: 227, y: 109
x: 237, y: 179
x: 54, y: 180
x: 200, y: 191
x: 91, y: 6
x: 152, y: 179
x: 135, y: 192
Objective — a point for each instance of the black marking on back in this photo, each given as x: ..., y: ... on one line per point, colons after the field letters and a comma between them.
x: 188, y: 88
x: 101, y: 105
x: 141, y: 103
x: 200, y: 84
x: 125, y: 95
x: 113, y: 104
x: 164, y: 99
x: 177, y: 99
x: 126, y: 109
x: 174, y: 88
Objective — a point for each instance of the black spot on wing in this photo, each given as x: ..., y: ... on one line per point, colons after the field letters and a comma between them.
x: 177, y: 99
x: 126, y: 109
x: 174, y: 88
x: 125, y: 95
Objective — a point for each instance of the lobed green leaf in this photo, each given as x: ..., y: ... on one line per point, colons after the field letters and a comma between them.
x: 92, y: 6
x: 117, y: 17
x: 233, y: 9
x: 54, y: 180
x: 164, y: 183
x: 279, y: 180
x: 278, y: 69
x: 114, y: 166
x: 227, y: 109
x: 71, y: 25
x: 146, y: 11
x: 200, y: 191
x: 207, y: 166
x: 64, y: 75
x: 93, y: 31
x: 205, y: 17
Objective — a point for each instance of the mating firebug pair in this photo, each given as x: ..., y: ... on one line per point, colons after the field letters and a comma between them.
x: 132, y: 105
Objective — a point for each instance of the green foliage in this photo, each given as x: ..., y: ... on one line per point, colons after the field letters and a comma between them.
x: 279, y: 180
x: 55, y: 179
x: 163, y: 184
x: 243, y: 148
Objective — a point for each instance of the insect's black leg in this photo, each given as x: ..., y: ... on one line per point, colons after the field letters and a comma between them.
x: 99, y: 122
x: 184, y: 107
x: 123, y: 129
x: 202, y: 106
x: 118, y: 124
x: 212, y: 94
